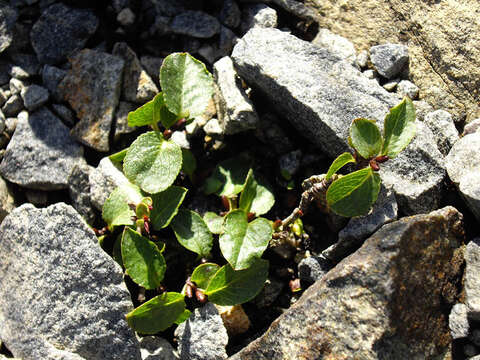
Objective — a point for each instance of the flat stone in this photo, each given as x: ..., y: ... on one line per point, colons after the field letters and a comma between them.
x: 235, y: 110
x: 443, y: 127
x: 92, y: 88
x: 203, y: 335
x: 51, y: 78
x: 337, y: 45
x: 79, y: 190
x: 407, y: 88
x: 389, y: 59
x: 385, y: 301
x: 138, y: 87
x: 313, y: 268
x: 196, y: 24
x: 156, y: 348
x: 60, y: 31
x: 41, y: 153
x: 7, y: 202
x: 34, y: 96
x: 471, y: 127
x: 230, y: 15
x: 13, y: 106
x: 8, y: 17
x: 472, y: 282
x: 74, y: 303
x: 458, y: 321
x: 259, y: 15
x: 121, y: 119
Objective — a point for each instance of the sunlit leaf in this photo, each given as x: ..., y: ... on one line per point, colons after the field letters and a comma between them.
x: 338, y: 163
x: 192, y: 232
x: 366, y: 137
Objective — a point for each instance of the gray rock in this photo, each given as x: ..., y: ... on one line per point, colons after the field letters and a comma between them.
x: 407, y: 88
x: 384, y: 211
x: 24, y: 66
x: 289, y: 163
x: 10, y: 125
x: 16, y: 86
x: 336, y: 44
x: 212, y: 127
x: 34, y: 96
x: 389, y: 59
x: 196, y: 24
x: 41, y: 154
x: 51, y: 77
x: 60, y: 31
x: 74, y: 303
x: 230, y: 15
x: 442, y: 126
x: 313, y: 268
x: 203, y: 335
x: 180, y: 138
x: 458, y: 321
x: 169, y: 7
x: 475, y: 335
x: 471, y: 280
x: 297, y: 8
x: 3, y: 97
x: 79, y: 190
x: 386, y: 301
x: 152, y: 65
x: 371, y: 74
x: 156, y: 348
x: 7, y: 202
x: 65, y: 114
x: 209, y: 52
x: 391, y: 85
x: 471, y: 127
x: 13, y: 106
x: 92, y: 88
x: 121, y: 119
x: 103, y: 180
x: 138, y: 87
x: 8, y: 17
x: 258, y: 15
x: 126, y: 17
x: 2, y: 122
x: 470, y: 189
x: 270, y: 292
x: 235, y: 110
x: 4, y: 72
x: 362, y: 59
x: 320, y: 95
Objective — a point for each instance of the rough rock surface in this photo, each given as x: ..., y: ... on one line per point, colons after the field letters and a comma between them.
x: 156, y: 348
x: 41, y: 154
x: 337, y: 44
x: 60, y: 31
x: 196, y: 24
x: 386, y: 301
x: 8, y: 17
x: 92, y: 87
x: 7, y: 203
x: 389, y: 59
x: 34, y: 96
x: 442, y: 125
x: 313, y: 268
x: 458, y: 321
x: 61, y: 295
x: 259, y: 15
x: 79, y: 190
x: 472, y: 282
x: 444, y: 51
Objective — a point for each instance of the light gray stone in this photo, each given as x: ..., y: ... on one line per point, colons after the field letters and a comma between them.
x: 126, y: 17
x: 34, y: 96
x: 179, y: 137
x: 13, y: 106
x: 442, y: 125
x: 61, y: 295
x: 472, y: 282
x: 391, y: 85
x: 41, y: 154
x: 362, y: 59
x: 471, y: 127
x: 407, y: 88
x: 203, y: 335
x: 313, y: 268
x: 469, y: 187
x: 258, y: 15
x: 121, y: 119
x: 389, y: 59
x: 289, y: 163
x: 156, y: 348
x: 458, y: 321
x: 8, y: 17
x: 337, y: 45
x: 11, y: 125
x: 79, y: 190
x: 230, y: 15
x: 7, y: 202
x: 371, y: 74
x: 103, y: 180
x: 16, y: 86
x: 51, y: 78
x: 212, y: 127
x: 196, y: 24
x: 235, y: 110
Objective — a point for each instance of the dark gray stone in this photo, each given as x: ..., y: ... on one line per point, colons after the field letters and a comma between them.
x: 196, y: 24
x: 74, y: 303
x: 65, y: 114
x: 290, y: 163
x: 13, y: 106
x: 121, y: 119
x: 51, y: 77
x: 126, y: 17
x: 34, y: 96
x: 273, y: 135
x: 230, y: 15
x: 389, y: 59
x: 36, y: 197
x: 270, y: 292
x: 79, y: 190
x: 60, y: 31
x: 226, y: 42
x: 296, y: 8
x: 41, y: 154
x: 458, y: 321
x: 8, y: 17
x: 170, y: 7
x: 313, y: 268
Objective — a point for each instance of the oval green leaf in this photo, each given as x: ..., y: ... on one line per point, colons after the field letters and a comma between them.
x: 242, y: 242
x: 355, y: 193
x: 118, y: 156
x: 165, y: 206
x: 157, y: 314
x: 228, y: 178
x: 192, y: 232
x: 144, y: 114
x: 338, y: 163
x: 256, y: 196
x: 152, y: 162
x: 186, y: 84
x: 213, y: 221
x: 365, y: 137
x: 230, y: 287
x: 116, y: 210
x: 142, y: 259
x: 399, y: 128
x: 203, y: 274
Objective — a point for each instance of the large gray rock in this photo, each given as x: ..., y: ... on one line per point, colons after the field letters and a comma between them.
x: 337, y: 44
x: 203, y: 335
x: 320, y: 94
x: 92, y: 87
x: 79, y: 190
x: 61, y: 295
x: 472, y: 282
x: 60, y: 31
x: 41, y: 154
x: 442, y: 125
x: 196, y: 24
x: 8, y: 17
x: 385, y: 301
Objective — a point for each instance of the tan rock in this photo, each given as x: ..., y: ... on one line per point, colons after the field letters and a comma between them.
x: 234, y: 318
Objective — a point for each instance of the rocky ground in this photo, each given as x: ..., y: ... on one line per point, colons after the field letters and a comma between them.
x: 401, y: 282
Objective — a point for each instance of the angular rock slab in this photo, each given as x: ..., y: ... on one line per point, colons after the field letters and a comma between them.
x: 92, y: 87
x: 61, y: 295
x: 320, y: 94
x: 385, y: 301
x: 41, y: 154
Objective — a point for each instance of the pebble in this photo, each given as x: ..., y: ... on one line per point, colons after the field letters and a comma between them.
x: 196, y: 24
x: 407, y: 88
x: 7, y: 202
x: 362, y: 59
x: 290, y: 162
x: 156, y: 348
x: 234, y: 318
x: 25, y: 66
x: 471, y: 127
x: 313, y: 268
x: 212, y: 127
x: 389, y: 59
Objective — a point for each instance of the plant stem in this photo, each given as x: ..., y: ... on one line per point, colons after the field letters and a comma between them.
x: 155, y: 127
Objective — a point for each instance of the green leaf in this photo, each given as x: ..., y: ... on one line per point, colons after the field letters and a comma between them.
x: 157, y: 314
x: 355, y: 193
x: 229, y: 177
x: 255, y: 197
x: 365, y: 137
x: 192, y: 232
x: 242, y: 242
x: 165, y: 206
x: 214, y: 222
x: 399, y: 128
x: 116, y: 210
x: 183, y: 316
x: 187, y: 85
x: 142, y: 259
x: 161, y: 113
x: 189, y: 163
x: 230, y: 287
x: 118, y: 156
x: 152, y: 162
x: 144, y: 114
x: 203, y: 274
x: 338, y: 163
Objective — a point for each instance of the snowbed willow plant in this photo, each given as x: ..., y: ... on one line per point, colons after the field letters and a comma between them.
x: 150, y: 202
